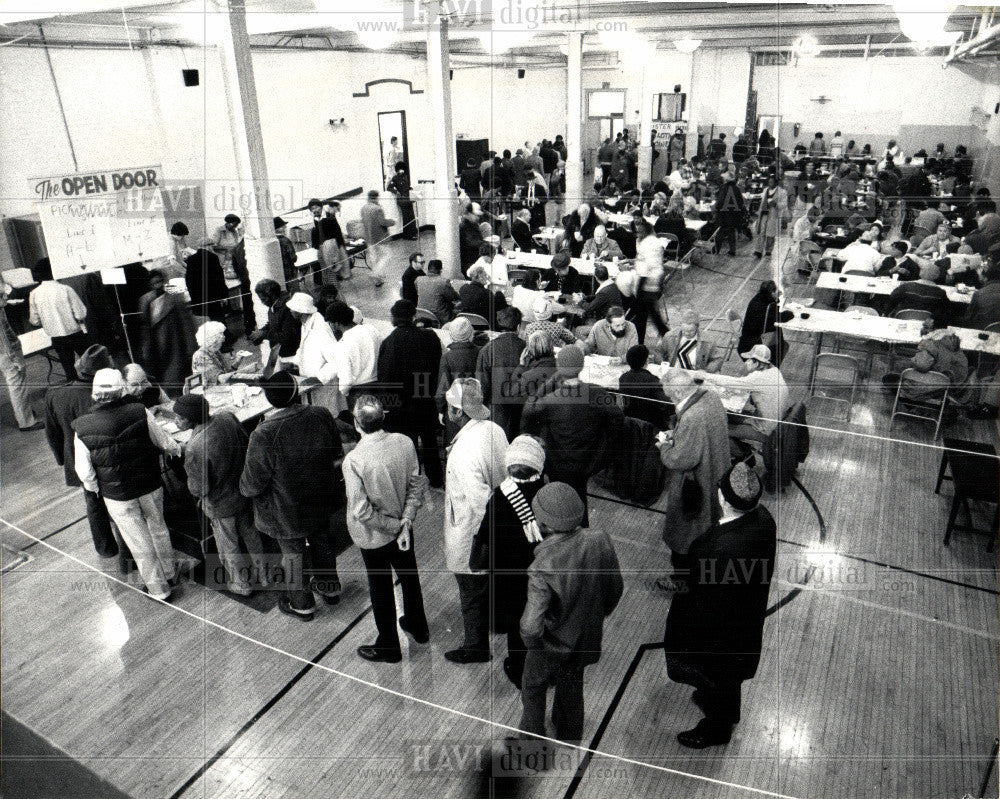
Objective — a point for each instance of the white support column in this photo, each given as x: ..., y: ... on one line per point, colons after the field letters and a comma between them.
x: 645, y: 153
x: 574, y: 121
x: 262, y: 248
x: 444, y: 202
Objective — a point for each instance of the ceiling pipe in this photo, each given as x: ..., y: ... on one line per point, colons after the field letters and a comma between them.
x: 973, y: 46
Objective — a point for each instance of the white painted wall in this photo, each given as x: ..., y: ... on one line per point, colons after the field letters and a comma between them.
x: 721, y: 80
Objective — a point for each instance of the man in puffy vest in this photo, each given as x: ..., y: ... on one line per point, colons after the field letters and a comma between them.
x: 115, y: 450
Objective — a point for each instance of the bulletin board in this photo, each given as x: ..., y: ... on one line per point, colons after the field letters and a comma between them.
x: 102, y: 219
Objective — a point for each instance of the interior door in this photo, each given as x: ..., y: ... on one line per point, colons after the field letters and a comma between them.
x: 772, y: 125
x: 392, y: 124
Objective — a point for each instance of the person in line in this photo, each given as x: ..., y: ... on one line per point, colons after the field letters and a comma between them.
x: 496, y: 365
x: 458, y: 360
x: 385, y: 491
x: 435, y: 293
x: 475, y: 468
x: 63, y: 406
x: 60, y: 312
x: 214, y: 458
x: 714, y: 632
x: 206, y: 285
x: 292, y: 474
x: 376, y: 229
x: 316, y: 356
x: 224, y: 241
x: 168, y: 335
x: 771, y: 216
x: 115, y: 455
x: 574, y: 583
x: 642, y: 393
x: 399, y: 186
x: 139, y: 388
x: 520, y: 231
x: 687, y: 349
x: 409, y: 360
x: 356, y: 353
x: 282, y: 328
x: 470, y: 237
x: 179, y: 250
x: 576, y: 420
x: 730, y: 213
x: 537, y: 367
x: 612, y: 336
x: 288, y: 254
x: 408, y: 287
x: 696, y: 456
x: 14, y: 369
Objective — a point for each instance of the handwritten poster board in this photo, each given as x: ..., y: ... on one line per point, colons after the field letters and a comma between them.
x: 102, y: 219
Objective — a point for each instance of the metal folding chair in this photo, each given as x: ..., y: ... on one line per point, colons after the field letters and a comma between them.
x: 832, y: 372
x: 921, y: 395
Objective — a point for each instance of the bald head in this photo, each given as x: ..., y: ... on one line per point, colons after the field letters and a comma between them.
x: 677, y: 384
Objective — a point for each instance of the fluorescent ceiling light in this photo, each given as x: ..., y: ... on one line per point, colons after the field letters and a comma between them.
x: 805, y: 46
x: 687, y: 44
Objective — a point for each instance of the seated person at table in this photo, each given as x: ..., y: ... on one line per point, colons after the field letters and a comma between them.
x: 138, y: 387
x: 963, y: 266
x: 898, y: 263
x: 768, y: 391
x: 925, y: 224
x: 861, y: 256
x: 520, y: 230
x: 606, y: 296
x: 562, y: 277
x: 938, y: 244
x: 987, y: 232
x: 209, y: 361
x: 612, y: 336
x: 435, y: 293
x: 610, y: 189
x: 985, y: 301
x: 683, y: 347
x: 672, y: 222
x: 542, y: 311
x: 922, y: 294
x: 496, y: 267
x: 579, y: 226
x: 938, y: 351
x: 523, y: 297
x: 476, y: 297
x: 806, y: 225
x: 642, y: 393
x: 600, y: 247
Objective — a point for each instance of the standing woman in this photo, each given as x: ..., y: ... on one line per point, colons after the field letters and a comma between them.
x: 224, y: 241
x: 773, y: 211
x: 167, y: 335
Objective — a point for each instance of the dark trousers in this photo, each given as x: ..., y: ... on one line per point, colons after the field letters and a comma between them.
x: 578, y: 482
x: 422, y: 428
x: 302, y: 573
x: 726, y: 234
x: 379, y: 563
x: 648, y: 306
x: 542, y: 669
x: 249, y: 318
x: 67, y: 348
x: 509, y: 596
x: 720, y: 702
x: 473, y: 595
x: 100, y: 525
x: 409, y: 230
x: 682, y: 570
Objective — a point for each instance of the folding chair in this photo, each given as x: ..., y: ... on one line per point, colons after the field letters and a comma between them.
x: 425, y: 318
x: 673, y: 248
x: 357, y: 247
x: 921, y: 395
x: 478, y: 322
x: 832, y: 372
x: 897, y: 351
x: 735, y: 323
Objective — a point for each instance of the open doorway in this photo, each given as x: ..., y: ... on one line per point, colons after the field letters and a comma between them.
x: 611, y: 126
x: 392, y: 142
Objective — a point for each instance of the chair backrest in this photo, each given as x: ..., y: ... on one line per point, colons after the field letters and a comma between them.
x: 355, y: 230
x: 913, y: 315
x: 864, y: 310
x: 425, y: 318
x: 807, y: 247
x: 836, y: 362
x: 928, y: 387
x: 992, y: 328
x: 673, y: 244
x: 478, y: 322
x: 516, y: 277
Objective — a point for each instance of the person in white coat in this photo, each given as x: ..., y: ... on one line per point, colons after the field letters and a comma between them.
x: 475, y: 468
x: 317, y: 354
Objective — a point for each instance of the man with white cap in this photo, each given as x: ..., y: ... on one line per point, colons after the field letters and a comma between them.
x: 317, y: 353
x: 574, y: 582
x: 768, y: 391
x: 115, y: 451
x: 475, y: 467
x: 505, y: 544
x: 714, y: 631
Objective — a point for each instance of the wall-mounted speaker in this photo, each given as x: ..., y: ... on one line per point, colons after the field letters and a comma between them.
x: 520, y: 73
x: 451, y: 74
x: 190, y: 77
x: 677, y: 89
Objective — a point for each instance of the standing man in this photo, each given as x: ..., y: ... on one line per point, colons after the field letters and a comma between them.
x: 13, y: 368
x: 408, y: 363
x: 384, y: 492
x: 399, y: 185
x: 376, y: 228
x: 393, y: 155
x: 213, y: 460
x: 63, y: 406
x: 696, y: 455
x: 282, y: 327
x: 356, y: 354
x: 410, y: 275
x: 288, y: 255
x: 574, y: 583
x: 475, y: 468
x: 714, y: 632
x: 60, y: 312
x: 496, y: 365
x: 292, y: 474
x: 115, y: 453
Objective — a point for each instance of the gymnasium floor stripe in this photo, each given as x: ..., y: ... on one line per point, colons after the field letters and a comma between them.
x: 399, y: 694
x: 49, y: 535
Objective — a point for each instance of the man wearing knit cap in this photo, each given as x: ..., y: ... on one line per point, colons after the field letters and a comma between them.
x: 64, y: 405
x: 576, y: 420
x: 573, y: 584
x: 714, y: 632
x: 115, y: 455
x: 475, y: 467
x: 292, y: 474
x: 213, y: 461
x: 505, y: 544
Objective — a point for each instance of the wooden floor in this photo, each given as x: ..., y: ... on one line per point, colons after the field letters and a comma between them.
x: 879, y: 678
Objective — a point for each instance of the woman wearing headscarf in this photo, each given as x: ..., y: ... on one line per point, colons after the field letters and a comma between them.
x: 167, y: 334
